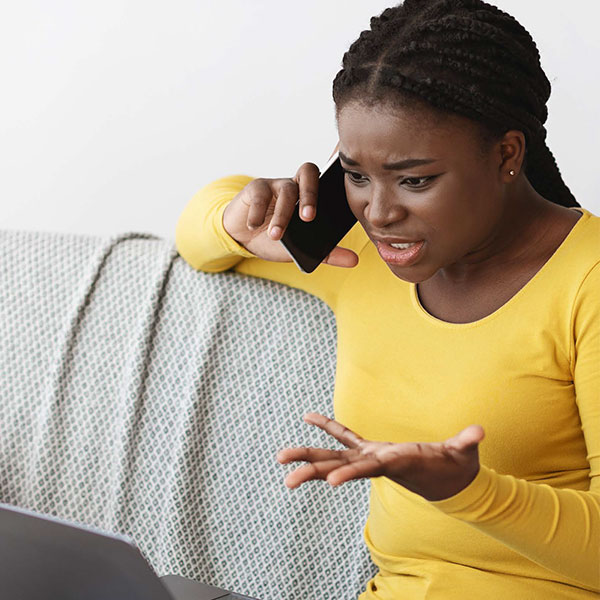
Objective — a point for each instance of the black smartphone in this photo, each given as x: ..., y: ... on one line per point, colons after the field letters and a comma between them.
x: 309, y: 242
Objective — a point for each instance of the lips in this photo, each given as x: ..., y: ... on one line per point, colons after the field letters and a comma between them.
x: 396, y: 240
x: 400, y: 257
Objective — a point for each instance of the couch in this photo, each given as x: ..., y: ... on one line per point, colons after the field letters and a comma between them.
x: 142, y: 397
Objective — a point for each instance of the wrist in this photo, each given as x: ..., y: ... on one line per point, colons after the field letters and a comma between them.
x: 229, y: 226
x: 230, y: 242
x: 454, y: 487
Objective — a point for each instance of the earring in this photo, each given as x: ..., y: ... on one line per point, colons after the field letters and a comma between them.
x: 511, y: 172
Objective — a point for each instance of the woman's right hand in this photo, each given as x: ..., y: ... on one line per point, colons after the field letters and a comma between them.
x: 258, y: 215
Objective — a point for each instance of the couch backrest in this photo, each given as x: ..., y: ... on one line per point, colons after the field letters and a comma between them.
x: 142, y: 397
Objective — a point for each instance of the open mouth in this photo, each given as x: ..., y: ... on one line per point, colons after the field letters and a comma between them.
x: 400, y: 254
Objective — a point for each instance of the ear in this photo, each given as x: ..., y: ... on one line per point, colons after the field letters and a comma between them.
x: 512, y: 154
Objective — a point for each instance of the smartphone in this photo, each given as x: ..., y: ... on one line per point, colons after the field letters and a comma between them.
x: 309, y: 242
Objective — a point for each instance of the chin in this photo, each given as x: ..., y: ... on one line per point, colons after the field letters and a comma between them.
x: 410, y: 274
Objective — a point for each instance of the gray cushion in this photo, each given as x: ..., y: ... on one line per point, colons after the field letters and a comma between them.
x: 146, y: 398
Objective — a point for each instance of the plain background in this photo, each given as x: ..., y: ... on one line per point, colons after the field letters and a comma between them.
x: 114, y: 113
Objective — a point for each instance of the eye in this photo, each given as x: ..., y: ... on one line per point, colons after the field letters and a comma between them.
x: 354, y: 177
x: 414, y: 183
x: 421, y: 181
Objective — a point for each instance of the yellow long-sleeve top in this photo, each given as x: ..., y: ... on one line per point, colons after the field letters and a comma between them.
x: 528, y: 526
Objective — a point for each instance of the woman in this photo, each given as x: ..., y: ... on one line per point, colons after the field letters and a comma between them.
x: 467, y: 383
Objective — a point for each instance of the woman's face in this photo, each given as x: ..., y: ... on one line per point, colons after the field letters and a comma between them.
x: 452, y: 201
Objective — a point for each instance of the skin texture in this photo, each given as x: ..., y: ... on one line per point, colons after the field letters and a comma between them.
x: 433, y: 470
x: 486, y: 233
x: 474, y: 216
x: 258, y: 215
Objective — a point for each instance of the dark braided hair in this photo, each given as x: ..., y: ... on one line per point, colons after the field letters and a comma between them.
x: 458, y: 56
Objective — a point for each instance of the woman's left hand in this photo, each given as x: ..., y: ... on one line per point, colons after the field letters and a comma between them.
x: 435, y: 470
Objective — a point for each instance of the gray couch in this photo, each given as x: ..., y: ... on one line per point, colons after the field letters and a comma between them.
x: 142, y: 397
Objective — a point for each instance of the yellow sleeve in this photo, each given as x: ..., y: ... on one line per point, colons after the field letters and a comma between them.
x: 200, y: 237
x: 203, y: 243
x: 557, y: 528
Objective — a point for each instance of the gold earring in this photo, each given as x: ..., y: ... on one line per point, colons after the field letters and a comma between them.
x: 511, y: 172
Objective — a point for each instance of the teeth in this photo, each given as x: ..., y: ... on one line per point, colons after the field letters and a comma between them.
x: 402, y: 246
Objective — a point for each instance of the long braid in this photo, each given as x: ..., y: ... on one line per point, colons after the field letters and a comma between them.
x: 459, y: 56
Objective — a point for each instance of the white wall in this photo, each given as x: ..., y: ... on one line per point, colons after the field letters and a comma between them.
x: 114, y: 112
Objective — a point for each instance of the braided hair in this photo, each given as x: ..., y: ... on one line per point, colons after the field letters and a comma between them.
x: 465, y: 57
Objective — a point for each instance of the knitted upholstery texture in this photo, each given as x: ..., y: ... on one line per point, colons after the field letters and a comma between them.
x: 145, y: 398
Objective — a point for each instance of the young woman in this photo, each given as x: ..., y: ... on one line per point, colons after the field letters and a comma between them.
x: 467, y: 306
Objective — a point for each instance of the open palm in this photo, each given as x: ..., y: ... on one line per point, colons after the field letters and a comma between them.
x: 435, y: 470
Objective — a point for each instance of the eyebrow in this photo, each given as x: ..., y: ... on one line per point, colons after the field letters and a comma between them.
x: 397, y: 166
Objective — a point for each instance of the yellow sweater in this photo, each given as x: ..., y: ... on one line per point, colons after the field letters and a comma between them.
x: 528, y: 526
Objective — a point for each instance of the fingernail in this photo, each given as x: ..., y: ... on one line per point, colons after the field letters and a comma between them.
x: 275, y: 232
x: 307, y: 212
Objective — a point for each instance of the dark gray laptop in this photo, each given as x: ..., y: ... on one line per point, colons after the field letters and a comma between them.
x: 44, y: 558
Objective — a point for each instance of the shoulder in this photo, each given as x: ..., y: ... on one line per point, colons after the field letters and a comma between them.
x: 587, y: 242
x: 584, y: 255
x: 583, y: 248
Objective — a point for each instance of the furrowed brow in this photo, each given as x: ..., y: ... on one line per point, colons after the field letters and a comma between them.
x: 397, y: 166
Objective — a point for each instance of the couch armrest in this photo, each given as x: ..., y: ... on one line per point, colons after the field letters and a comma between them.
x: 149, y: 399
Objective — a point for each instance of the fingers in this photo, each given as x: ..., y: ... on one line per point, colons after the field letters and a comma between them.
x: 307, y: 178
x: 288, y: 455
x: 301, y: 192
x: 318, y: 470
x: 342, y: 257
x: 331, y: 465
x: 466, y: 439
x: 368, y: 467
x: 287, y: 195
x: 341, y: 433
x: 473, y: 434
x: 260, y: 197
x: 340, y: 469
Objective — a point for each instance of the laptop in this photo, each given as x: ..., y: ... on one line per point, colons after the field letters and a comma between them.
x: 45, y: 558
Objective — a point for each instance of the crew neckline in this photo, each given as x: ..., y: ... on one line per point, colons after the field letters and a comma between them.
x: 447, y: 324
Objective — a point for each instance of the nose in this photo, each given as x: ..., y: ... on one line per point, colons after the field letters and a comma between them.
x: 383, y: 209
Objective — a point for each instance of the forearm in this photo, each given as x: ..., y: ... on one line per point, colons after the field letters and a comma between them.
x: 557, y: 528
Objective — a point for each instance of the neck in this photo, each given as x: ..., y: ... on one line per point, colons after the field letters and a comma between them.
x: 514, y: 240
